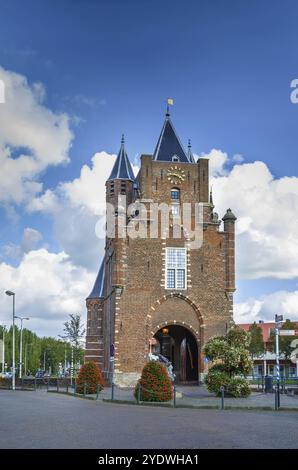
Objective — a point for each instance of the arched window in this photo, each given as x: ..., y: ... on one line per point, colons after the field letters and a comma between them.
x: 175, y: 194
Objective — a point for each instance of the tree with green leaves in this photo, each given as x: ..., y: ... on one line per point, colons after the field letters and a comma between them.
x: 231, y: 363
x: 38, y: 353
x: 74, y: 332
x: 256, y: 345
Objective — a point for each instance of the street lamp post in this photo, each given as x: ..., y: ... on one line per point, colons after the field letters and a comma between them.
x: 3, y: 348
x: 65, y: 359
x: 12, y: 294
x: 21, y: 344
x: 71, y: 367
x: 26, y: 351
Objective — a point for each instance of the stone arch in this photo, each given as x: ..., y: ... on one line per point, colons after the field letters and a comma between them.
x: 177, y: 310
x: 190, y: 328
x: 178, y: 295
x: 196, y: 329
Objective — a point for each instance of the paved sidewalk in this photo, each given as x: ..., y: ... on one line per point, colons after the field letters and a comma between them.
x: 38, y: 420
x: 200, y: 397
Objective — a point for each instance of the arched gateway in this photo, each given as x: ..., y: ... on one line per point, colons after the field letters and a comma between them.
x: 161, y: 287
x: 181, y: 348
x: 177, y: 330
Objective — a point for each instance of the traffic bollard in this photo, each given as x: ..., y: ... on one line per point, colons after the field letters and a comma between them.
x: 222, y: 400
x: 139, y: 392
x: 112, y: 391
x: 174, y: 395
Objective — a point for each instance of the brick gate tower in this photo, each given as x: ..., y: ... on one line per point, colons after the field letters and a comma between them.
x: 159, y: 293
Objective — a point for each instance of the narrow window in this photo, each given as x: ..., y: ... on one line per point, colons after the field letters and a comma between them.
x: 175, y: 194
x: 175, y: 209
x: 123, y: 187
x: 175, y: 268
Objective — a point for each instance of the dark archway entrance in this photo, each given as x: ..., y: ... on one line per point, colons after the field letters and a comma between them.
x: 179, y: 346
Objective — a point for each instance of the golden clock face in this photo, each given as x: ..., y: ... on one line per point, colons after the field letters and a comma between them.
x: 175, y: 174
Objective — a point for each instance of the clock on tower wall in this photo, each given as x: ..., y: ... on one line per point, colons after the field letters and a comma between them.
x: 175, y: 174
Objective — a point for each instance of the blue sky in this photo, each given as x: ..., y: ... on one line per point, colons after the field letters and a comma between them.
x: 111, y: 65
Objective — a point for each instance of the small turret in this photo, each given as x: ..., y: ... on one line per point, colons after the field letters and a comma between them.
x: 229, y: 229
x: 121, y: 179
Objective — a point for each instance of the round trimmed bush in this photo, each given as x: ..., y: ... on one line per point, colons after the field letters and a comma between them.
x: 90, y: 376
x: 238, y: 387
x: 215, y: 379
x: 155, y: 382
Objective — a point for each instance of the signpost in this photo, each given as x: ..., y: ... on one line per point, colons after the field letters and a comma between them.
x: 294, y: 344
x: 278, y: 323
x: 294, y: 353
x: 288, y: 332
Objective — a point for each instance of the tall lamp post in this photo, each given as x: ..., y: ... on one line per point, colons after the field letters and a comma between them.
x: 26, y: 351
x: 21, y: 344
x: 13, y: 295
x: 3, y: 349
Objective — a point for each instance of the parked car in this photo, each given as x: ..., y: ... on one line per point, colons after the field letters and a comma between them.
x: 40, y: 374
x: 6, y: 375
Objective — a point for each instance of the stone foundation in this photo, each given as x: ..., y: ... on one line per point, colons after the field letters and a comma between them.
x: 126, y: 379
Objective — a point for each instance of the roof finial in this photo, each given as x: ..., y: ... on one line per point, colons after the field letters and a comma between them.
x: 170, y: 101
x: 189, y: 144
x: 168, y: 111
x: 122, y: 139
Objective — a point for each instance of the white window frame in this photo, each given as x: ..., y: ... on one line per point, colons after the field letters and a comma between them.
x: 176, y: 269
x: 175, y: 210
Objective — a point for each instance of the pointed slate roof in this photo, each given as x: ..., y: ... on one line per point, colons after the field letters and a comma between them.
x: 122, y: 169
x: 169, y: 145
x: 98, y: 288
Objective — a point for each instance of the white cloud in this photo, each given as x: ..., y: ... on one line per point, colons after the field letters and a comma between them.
x: 267, y: 225
x: 217, y: 161
x: 48, y: 288
x: 265, y: 308
x: 30, y: 239
x: 76, y: 206
x: 32, y: 137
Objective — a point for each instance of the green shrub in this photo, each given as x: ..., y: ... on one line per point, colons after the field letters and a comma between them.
x: 90, y: 377
x: 215, y: 379
x: 155, y: 382
x: 238, y: 387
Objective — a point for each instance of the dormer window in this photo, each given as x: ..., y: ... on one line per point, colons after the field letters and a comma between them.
x: 175, y: 158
